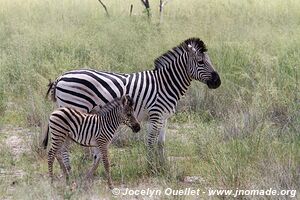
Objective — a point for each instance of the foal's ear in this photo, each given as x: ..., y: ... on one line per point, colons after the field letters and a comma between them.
x: 130, y: 101
x: 124, y: 100
x: 127, y: 100
x: 95, y: 110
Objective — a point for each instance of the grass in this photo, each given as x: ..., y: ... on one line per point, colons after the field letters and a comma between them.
x: 243, y: 135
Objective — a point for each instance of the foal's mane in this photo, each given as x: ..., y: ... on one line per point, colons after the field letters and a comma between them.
x: 107, y: 107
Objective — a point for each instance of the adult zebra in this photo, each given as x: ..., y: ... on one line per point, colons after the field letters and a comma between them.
x: 155, y: 92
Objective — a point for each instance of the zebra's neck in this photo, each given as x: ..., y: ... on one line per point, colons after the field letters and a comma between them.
x: 171, y: 73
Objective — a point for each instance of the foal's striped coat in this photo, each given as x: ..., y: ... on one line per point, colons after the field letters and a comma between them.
x: 92, y: 130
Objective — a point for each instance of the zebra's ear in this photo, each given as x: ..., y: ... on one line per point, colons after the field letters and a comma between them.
x: 191, y: 49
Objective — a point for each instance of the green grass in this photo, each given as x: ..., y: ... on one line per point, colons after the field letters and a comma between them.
x: 244, y: 135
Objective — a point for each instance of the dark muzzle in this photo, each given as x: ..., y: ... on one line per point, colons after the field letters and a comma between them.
x: 215, y: 81
x: 136, y: 128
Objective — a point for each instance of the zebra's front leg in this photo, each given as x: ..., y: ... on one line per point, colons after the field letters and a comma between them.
x: 96, y: 161
x: 153, y: 133
x: 161, y: 144
x: 105, y: 159
x: 151, y: 155
x: 96, y: 154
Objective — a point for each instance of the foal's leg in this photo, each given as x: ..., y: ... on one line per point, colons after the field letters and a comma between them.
x: 96, y: 154
x: 96, y: 161
x: 104, y: 152
x: 62, y: 157
x: 55, y: 146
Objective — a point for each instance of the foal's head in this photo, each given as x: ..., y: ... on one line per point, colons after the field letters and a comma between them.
x: 123, y: 107
x: 128, y: 117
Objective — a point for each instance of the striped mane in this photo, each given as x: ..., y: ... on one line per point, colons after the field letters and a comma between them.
x: 107, y: 107
x: 196, y: 43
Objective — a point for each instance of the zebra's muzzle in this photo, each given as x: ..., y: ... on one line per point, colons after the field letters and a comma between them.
x: 215, y: 81
x: 136, y: 128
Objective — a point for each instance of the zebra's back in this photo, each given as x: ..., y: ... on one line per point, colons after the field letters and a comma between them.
x: 84, y: 89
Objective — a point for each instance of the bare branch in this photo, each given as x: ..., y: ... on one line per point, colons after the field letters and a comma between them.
x: 146, y: 3
x: 161, y: 8
x: 162, y: 4
x: 103, y: 5
x: 147, y: 6
x: 131, y: 8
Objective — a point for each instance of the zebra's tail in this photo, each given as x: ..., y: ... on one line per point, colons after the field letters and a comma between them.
x: 45, y: 141
x: 51, y: 90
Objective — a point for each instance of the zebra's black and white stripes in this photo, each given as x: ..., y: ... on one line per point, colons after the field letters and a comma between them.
x: 155, y: 92
x: 92, y: 130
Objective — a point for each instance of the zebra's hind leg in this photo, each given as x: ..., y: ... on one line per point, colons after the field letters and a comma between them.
x: 65, y: 155
x: 55, y: 146
x: 62, y: 157
x: 51, y: 157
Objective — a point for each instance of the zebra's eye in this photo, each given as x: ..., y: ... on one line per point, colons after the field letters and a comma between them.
x: 200, y: 58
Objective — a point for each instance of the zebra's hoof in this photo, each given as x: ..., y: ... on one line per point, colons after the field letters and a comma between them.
x: 111, y: 187
x: 89, y: 177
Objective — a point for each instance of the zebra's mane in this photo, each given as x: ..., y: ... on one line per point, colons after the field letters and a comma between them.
x: 196, y: 43
x: 107, y: 107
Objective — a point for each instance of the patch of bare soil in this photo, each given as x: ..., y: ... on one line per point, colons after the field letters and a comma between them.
x: 16, y: 142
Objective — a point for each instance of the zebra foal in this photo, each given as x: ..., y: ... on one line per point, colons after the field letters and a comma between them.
x: 91, y: 130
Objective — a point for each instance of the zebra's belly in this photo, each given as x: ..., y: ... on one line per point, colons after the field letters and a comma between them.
x: 86, y: 140
x: 143, y: 115
x: 93, y: 143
